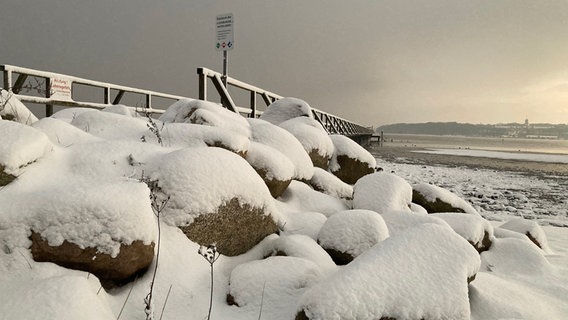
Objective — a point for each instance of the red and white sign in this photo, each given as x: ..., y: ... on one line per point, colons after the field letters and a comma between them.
x: 60, y: 88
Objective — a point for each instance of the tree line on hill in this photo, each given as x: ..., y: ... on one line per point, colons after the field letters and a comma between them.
x: 521, y: 130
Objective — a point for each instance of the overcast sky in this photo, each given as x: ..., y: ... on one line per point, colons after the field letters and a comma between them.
x: 373, y: 62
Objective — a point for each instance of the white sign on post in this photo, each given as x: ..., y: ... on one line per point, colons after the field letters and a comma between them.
x: 60, y: 89
x: 224, y: 32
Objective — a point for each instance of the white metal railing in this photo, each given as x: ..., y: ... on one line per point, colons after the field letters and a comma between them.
x: 50, y: 99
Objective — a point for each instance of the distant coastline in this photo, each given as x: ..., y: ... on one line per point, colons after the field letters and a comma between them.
x: 506, y: 130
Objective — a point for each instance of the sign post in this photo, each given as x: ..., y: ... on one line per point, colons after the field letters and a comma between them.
x: 224, y: 39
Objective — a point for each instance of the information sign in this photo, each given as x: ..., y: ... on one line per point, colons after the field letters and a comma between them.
x: 224, y: 31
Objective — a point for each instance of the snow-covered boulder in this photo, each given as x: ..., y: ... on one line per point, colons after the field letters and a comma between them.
x: 307, y: 223
x: 63, y: 133
x: 382, y: 192
x: 286, y: 109
x: 301, y: 197
x: 222, y: 201
x: 515, y: 257
x: 473, y: 228
x: 106, y: 227
x: 21, y: 145
x: 68, y: 114
x: 271, y: 135
x: 436, y: 199
x: 350, y: 161
x: 419, y: 274
x: 12, y: 109
x: 183, y: 135
x: 529, y: 228
x: 64, y: 297
x: 273, y: 167
x: 122, y: 110
x: 313, y: 138
x: 206, y: 113
x: 111, y: 126
x: 399, y: 221
x: 348, y: 234
x: 326, y: 182
x: 301, y: 246
x: 270, y: 280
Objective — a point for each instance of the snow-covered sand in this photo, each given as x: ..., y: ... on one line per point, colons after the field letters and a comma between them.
x: 418, y: 270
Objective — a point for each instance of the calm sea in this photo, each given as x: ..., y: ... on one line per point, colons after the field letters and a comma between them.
x: 481, y: 143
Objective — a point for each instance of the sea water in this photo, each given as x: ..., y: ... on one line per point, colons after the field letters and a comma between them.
x: 555, y: 146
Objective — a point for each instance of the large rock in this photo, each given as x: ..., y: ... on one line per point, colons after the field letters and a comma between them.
x: 286, y: 109
x: 348, y: 234
x: 419, y: 274
x: 529, y: 228
x: 223, y: 201
x: 436, y: 199
x: 476, y: 230
x: 328, y: 183
x: 313, y: 138
x: 235, y: 228
x: 350, y: 161
x: 273, y: 167
x: 382, y: 192
x: 132, y: 259
x: 12, y: 109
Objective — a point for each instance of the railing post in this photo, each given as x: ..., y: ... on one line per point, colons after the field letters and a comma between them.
x: 202, y: 84
x: 149, y: 101
x: 49, y: 106
x: 107, y: 95
x: 253, y: 104
x: 7, y: 79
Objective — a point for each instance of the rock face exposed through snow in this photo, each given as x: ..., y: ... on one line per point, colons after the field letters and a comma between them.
x: 435, y: 199
x: 350, y: 161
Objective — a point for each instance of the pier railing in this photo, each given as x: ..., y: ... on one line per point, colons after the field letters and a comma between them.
x: 49, y: 88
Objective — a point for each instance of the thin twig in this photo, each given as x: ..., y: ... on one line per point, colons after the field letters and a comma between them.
x: 261, y: 300
x: 125, y: 301
x: 165, y: 302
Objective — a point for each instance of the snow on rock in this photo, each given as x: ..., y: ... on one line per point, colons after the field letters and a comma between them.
x: 62, y: 133
x: 300, y: 197
x: 307, y: 223
x: 417, y: 209
x: 495, y: 297
x: 436, y: 199
x: 11, y: 108
x: 382, y: 192
x: 313, y: 138
x: 206, y: 113
x: 348, y: 234
x: 111, y: 126
x: 514, y: 256
x: 274, y: 167
x: 102, y: 214
x: 529, y: 228
x: 223, y: 201
x: 302, y: 246
x: 62, y: 298
x: 326, y: 182
x: 399, y: 221
x: 268, y: 134
x: 286, y: 109
x: 68, y: 114
x: 271, y: 280
x: 122, y: 110
x: 21, y: 145
x: 350, y: 161
x: 183, y: 135
x: 472, y: 228
x: 418, y: 274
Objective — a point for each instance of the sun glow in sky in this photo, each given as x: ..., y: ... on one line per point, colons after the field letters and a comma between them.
x: 374, y: 62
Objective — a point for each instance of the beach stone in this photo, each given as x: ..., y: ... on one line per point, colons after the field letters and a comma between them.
x: 476, y: 230
x: 234, y: 227
x: 286, y: 109
x: 382, y: 192
x: 326, y: 182
x: 529, y: 228
x: 275, y: 169
x: 436, y: 199
x: 347, y: 234
x: 5, y: 178
x: 313, y: 138
x: 132, y: 260
x: 350, y: 161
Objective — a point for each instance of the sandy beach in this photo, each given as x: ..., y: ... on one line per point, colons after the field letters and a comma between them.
x: 411, y: 154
